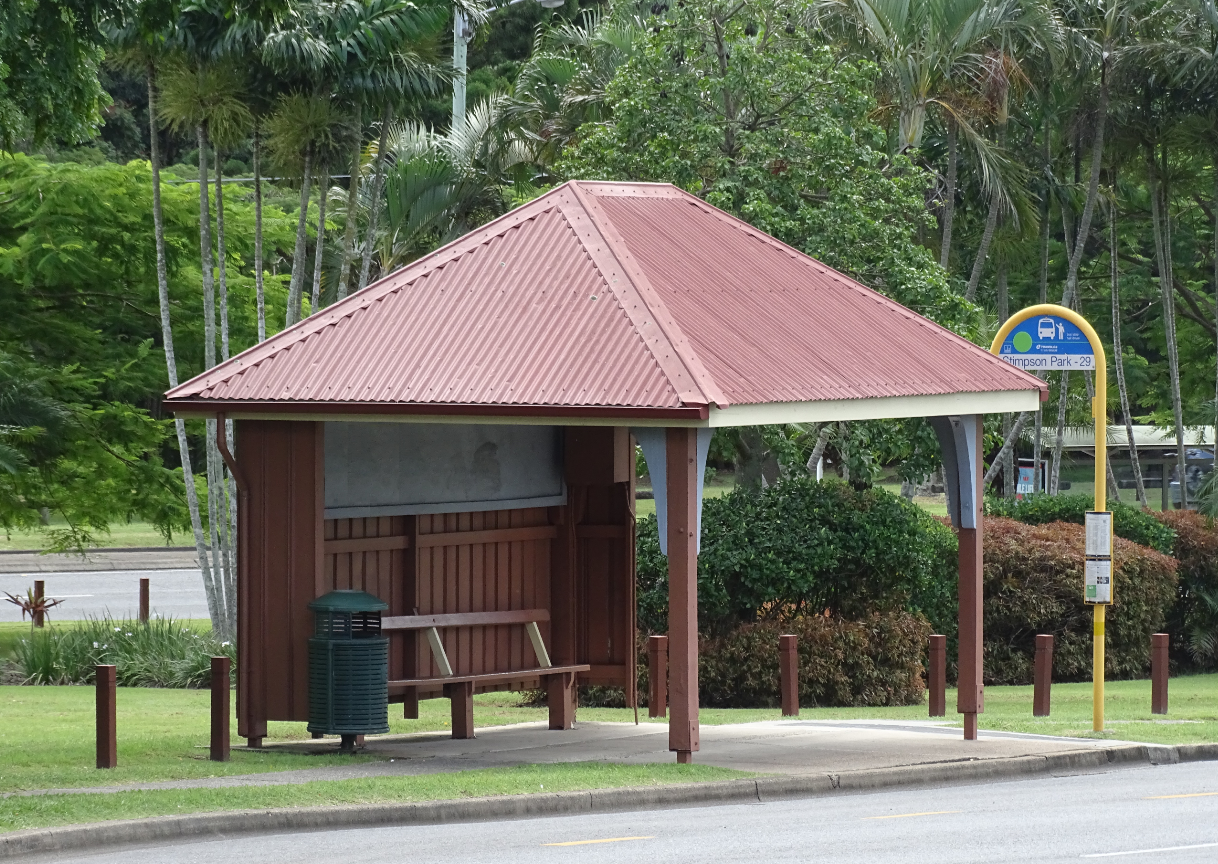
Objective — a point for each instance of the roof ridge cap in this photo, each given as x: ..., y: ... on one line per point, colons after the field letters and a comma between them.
x: 665, y: 323
x: 362, y: 299
x: 850, y: 282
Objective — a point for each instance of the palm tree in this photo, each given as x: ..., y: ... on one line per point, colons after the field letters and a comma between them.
x: 932, y: 54
x: 139, y: 44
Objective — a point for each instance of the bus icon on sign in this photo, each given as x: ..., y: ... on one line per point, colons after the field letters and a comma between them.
x: 1044, y: 328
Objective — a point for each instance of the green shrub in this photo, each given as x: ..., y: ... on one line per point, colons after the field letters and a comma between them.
x: 1193, y: 622
x: 1130, y: 522
x: 161, y: 653
x: 876, y: 660
x: 801, y: 547
x: 1034, y: 584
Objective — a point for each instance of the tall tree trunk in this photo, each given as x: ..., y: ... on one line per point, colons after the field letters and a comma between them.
x: 209, y: 284
x: 344, y: 273
x: 818, y: 450
x: 1056, y: 468
x: 1215, y: 210
x: 1008, y: 467
x: 983, y: 251
x: 221, y: 268
x: 1118, y: 357
x: 1093, y: 187
x: 171, y: 363
x: 378, y: 181
x: 949, y: 194
x: 1008, y: 446
x: 1161, y: 217
x: 299, y: 258
x: 323, y: 180
x: 258, y: 277
x: 1045, y: 212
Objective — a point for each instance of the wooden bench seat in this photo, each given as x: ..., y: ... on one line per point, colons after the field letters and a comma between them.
x: 558, y: 680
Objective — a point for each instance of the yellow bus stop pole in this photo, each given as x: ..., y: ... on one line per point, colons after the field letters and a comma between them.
x: 1099, y: 411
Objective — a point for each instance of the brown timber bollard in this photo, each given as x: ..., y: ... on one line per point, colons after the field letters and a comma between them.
x: 937, y: 675
x: 657, y: 676
x: 1043, y: 675
x: 1158, y: 673
x: 220, y: 667
x: 40, y: 588
x: 107, y: 718
x: 143, y: 600
x: 788, y: 668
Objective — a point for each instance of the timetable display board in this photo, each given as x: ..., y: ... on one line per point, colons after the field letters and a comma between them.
x: 1097, y: 572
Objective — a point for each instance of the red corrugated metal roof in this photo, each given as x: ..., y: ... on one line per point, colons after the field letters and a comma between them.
x: 607, y: 295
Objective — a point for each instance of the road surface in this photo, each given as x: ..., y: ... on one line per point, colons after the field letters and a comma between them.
x: 1160, y: 814
x: 172, y: 593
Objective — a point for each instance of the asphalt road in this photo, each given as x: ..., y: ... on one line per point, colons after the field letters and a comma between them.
x: 172, y: 593
x: 1161, y: 814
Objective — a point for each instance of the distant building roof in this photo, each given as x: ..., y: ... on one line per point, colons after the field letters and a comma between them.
x: 609, y: 301
x: 1149, y: 437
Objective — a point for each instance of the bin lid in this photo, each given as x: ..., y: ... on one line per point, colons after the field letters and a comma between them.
x: 345, y: 600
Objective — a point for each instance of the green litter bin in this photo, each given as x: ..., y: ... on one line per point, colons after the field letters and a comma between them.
x: 348, y: 667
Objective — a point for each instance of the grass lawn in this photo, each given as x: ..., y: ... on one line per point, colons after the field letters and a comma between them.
x: 121, y: 534
x: 46, y: 735
x: 44, y: 810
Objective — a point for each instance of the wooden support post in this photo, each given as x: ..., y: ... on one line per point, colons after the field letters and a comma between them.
x: 107, y: 717
x: 937, y: 676
x: 220, y: 682
x: 40, y: 588
x: 681, y: 451
x: 788, y: 674
x: 462, y: 695
x: 1158, y: 673
x: 1043, y: 675
x: 410, y: 704
x: 657, y: 676
x: 143, y: 599
x: 560, y: 697
x: 969, y: 694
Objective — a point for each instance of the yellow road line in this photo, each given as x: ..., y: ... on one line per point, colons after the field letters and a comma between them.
x: 1189, y: 795
x: 606, y: 840
x: 907, y: 815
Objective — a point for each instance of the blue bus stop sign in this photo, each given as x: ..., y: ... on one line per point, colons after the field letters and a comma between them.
x: 1047, y: 343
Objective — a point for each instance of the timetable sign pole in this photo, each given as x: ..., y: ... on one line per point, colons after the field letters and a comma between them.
x: 1053, y: 338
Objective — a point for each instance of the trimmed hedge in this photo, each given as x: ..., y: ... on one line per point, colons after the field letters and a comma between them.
x: 801, y: 547
x: 1034, y: 584
x: 1196, y: 548
x: 873, y: 661
x: 1130, y: 522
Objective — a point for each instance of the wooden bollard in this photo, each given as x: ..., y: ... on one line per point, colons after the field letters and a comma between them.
x: 788, y: 668
x: 107, y: 717
x: 40, y: 588
x: 220, y: 667
x: 936, y: 676
x: 1042, y: 675
x: 1158, y: 673
x: 657, y: 676
x: 143, y: 600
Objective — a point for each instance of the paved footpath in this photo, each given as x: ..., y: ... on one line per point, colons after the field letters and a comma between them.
x: 1154, y: 814
x: 798, y: 748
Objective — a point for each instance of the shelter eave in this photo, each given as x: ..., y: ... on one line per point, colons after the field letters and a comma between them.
x: 435, y: 412
x: 876, y: 408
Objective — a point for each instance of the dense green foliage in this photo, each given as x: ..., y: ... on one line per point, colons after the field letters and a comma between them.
x: 81, y: 362
x: 802, y: 547
x: 161, y: 653
x: 1135, y: 525
x: 876, y: 660
x: 1034, y: 584
x: 1193, y: 622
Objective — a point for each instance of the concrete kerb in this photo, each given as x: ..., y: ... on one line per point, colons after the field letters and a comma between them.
x: 203, y: 826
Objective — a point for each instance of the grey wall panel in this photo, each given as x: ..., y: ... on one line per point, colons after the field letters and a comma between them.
x: 387, y: 469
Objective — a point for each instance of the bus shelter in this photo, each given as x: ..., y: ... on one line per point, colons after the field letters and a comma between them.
x: 458, y: 440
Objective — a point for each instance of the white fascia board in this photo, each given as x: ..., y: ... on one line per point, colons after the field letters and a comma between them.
x: 876, y: 408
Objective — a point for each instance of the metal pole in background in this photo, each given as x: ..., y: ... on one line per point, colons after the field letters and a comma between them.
x: 461, y: 36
